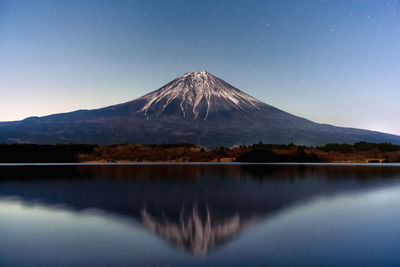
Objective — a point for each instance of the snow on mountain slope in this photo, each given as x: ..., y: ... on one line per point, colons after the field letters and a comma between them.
x: 195, y: 95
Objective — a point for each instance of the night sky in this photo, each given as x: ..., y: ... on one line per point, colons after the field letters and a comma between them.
x: 335, y: 62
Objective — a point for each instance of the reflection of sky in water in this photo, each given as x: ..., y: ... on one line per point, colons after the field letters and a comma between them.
x: 358, y: 227
x: 36, y: 234
x: 354, y: 227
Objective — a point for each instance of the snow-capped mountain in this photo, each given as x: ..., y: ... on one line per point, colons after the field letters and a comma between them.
x: 196, y: 107
x: 196, y: 95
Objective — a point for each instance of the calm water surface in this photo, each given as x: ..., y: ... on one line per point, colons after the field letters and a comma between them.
x: 199, y: 215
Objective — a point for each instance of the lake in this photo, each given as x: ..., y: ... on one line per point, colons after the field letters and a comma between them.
x: 199, y: 214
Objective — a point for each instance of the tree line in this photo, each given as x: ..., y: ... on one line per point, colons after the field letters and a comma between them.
x: 183, y: 152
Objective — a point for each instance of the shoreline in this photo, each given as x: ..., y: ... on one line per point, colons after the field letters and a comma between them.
x: 394, y: 164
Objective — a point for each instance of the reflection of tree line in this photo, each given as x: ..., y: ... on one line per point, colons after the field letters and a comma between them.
x: 178, y: 172
x: 259, y: 172
x: 196, y: 207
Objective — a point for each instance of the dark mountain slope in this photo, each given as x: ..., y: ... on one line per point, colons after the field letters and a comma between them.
x: 197, y: 108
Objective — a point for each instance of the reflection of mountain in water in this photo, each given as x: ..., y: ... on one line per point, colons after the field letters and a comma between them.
x: 194, y: 233
x: 195, y: 207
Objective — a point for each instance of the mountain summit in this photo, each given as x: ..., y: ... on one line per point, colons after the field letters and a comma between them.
x: 197, y: 95
x: 197, y: 108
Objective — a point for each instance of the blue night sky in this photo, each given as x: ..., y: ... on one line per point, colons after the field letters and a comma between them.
x: 333, y: 61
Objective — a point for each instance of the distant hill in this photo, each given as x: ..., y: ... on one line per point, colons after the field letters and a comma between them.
x: 197, y: 108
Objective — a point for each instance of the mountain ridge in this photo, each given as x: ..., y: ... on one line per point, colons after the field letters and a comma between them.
x: 196, y: 107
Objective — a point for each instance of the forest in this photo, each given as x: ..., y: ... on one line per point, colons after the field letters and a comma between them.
x: 361, y: 152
